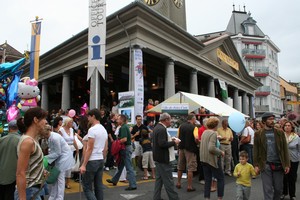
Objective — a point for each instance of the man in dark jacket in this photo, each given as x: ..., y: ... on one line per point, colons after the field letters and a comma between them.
x: 163, y: 155
x: 271, y: 157
x: 187, y: 158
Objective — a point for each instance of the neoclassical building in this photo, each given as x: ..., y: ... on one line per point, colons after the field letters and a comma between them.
x: 173, y: 60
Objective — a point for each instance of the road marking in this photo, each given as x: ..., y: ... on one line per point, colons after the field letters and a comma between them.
x: 131, y: 196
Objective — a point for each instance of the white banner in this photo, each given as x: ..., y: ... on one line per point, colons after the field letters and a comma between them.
x: 138, y: 82
x: 96, y: 37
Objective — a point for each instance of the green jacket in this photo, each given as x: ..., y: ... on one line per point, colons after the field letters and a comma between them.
x: 260, y: 148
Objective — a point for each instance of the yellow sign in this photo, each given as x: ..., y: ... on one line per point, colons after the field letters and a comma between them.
x: 293, y: 102
x: 229, y: 61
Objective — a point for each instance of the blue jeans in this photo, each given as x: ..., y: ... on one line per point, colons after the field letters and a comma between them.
x: 242, y: 192
x: 209, y: 172
x: 126, y: 162
x: 30, y: 192
x: 93, y: 175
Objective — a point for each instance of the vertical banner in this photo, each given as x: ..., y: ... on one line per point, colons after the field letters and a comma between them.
x: 223, y: 87
x: 138, y: 82
x: 96, y: 37
x: 35, y: 49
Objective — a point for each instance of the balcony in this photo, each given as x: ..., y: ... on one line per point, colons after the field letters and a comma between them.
x: 260, y: 71
x: 254, y: 53
x: 262, y: 108
x: 263, y: 91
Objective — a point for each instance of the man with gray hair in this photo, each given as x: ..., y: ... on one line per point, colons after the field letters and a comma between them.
x: 163, y: 155
x: 8, y: 160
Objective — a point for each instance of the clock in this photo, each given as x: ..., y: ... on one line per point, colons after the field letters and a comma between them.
x: 178, y: 3
x: 151, y: 2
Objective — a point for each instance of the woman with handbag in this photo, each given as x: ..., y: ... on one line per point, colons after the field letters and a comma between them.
x: 61, y: 157
x: 30, y: 169
x: 210, y: 157
x: 247, y: 141
x: 67, y: 132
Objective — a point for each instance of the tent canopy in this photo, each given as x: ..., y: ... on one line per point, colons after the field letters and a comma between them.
x: 195, y: 101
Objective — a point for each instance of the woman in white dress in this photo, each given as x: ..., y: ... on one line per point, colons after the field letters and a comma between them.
x: 67, y: 132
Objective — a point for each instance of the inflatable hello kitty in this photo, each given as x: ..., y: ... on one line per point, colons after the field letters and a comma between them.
x: 29, y: 93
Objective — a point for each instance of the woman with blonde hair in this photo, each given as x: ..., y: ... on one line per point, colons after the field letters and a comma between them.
x: 67, y: 132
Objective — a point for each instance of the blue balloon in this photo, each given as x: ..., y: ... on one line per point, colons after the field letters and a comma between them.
x: 237, y: 122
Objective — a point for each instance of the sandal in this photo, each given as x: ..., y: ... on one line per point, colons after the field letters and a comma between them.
x: 178, y: 186
x: 144, y: 178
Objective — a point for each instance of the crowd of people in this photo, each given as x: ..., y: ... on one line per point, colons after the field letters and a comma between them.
x: 102, y: 140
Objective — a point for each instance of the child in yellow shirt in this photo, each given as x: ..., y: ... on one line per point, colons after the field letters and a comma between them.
x: 244, y: 171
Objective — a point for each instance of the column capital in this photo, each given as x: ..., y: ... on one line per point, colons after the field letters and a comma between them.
x: 170, y: 60
x: 193, y: 71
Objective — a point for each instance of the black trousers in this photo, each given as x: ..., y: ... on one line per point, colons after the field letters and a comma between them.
x: 7, y: 191
x: 289, y: 180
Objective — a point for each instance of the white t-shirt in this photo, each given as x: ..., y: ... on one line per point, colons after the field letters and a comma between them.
x: 99, y: 133
x: 249, y: 130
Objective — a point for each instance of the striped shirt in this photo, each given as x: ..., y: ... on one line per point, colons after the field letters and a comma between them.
x: 35, y: 169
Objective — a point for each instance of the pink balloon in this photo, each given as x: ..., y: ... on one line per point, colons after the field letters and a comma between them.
x: 12, y: 112
x: 72, y: 113
x: 83, y: 109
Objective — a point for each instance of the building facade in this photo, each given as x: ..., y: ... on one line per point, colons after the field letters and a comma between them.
x: 173, y: 60
x: 260, y: 57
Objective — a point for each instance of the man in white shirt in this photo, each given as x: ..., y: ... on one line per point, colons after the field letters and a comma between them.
x: 94, y: 156
x: 245, y: 145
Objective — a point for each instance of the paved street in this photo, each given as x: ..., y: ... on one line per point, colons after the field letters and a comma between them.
x: 146, y: 188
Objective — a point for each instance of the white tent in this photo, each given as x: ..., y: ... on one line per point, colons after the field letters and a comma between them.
x: 195, y: 101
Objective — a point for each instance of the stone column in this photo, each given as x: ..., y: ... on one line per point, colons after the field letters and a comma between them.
x: 211, y: 87
x: 245, y: 103
x: 251, y: 107
x: 169, y: 78
x: 236, y: 99
x: 193, y: 82
x: 66, y: 91
x: 44, y: 98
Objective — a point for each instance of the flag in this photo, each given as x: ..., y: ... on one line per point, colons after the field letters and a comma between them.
x: 223, y: 87
x: 96, y: 37
x: 35, y: 50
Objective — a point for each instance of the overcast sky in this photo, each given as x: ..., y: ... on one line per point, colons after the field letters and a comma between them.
x: 64, y: 18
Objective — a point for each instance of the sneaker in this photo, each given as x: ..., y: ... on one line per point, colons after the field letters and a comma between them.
x: 202, y: 182
x: 106, y: 168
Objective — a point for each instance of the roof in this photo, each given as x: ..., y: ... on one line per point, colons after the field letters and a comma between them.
x: 238, y: 18
x: 11, y: 54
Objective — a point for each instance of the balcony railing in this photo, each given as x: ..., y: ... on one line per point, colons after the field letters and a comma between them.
x: 263, y: 91
x: 262, y: 108
x: 260, y: 71
x: 254, y: 53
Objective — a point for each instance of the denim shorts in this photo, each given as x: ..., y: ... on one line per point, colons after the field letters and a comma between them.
x: 30, y: 193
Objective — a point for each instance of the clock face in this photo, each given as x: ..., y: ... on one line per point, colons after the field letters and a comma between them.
x: 151, y: 2
x: 178, y: 3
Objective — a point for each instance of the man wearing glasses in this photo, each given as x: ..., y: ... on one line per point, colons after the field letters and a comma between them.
x: 271, y: 157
